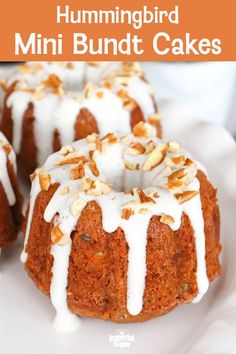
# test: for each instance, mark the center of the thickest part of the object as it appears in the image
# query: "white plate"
(207, 328)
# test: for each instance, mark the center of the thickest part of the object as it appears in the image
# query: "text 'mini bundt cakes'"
(50, 104)
(10, 198)
(121, 228)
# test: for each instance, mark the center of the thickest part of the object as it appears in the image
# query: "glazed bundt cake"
(50, 104)
(121, 228)
(10, 197)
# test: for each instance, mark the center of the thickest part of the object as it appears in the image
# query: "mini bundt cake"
(10, 197)
(50, 104)
(121, 228)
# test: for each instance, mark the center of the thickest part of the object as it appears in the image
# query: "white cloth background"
(208, 88)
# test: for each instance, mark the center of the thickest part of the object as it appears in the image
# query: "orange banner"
(180, 30)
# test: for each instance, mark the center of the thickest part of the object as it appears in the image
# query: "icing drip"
(64, 321)
(4, 176)
(137, 89)
(44, 125)
(154, 184)
(19, 102)
(53, 111)
(68, 108)
(193, 208)
(135, 230)
(109, 112)
(33, 196)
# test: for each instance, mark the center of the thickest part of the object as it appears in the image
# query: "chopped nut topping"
(92, 138)
(129, 104)
(107, 85)
(131, 166)
(123, 94)
(85, 184)
(155, 158)
(126, 213)
(178, 174)
(141, 197)
(128, 192)
(140, 130)
(175, 186)
(77, 206)
(93, 154)
(143, 211)
(178, 160)
(30, 69)
(94, 63)
(37, 95)
(149, 147)
(190, 162)
(133, 68)
(65, 191)
(110, 138)
(70, 66)
(71, 158)
(155, 194)
(173, 146)
(99, 145)
(7, 148)
(126, 140)
(122, 79)
(89, 90)
(65, 150)
(44, 181)
(175, 160)
(185, 196)
(153, 118)
(3, 84)
(77, 171)
(25, 69)
(135, 149)
(100, 94)
(99, 188)
(93, 168)
(34, 174)
(166, 219)
(143, 129)
(58, 237)
(56, 234)
(186, 174)
(53, 82)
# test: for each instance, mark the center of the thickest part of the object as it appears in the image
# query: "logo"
(121, 338)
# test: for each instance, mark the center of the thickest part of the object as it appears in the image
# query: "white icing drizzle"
(19, 102)
(68, 108)
(44, 125)
(137, 89)
(60, 111)
(193, 209)
(64, 321)
(33, 196)
(111, 166)
(4, 176)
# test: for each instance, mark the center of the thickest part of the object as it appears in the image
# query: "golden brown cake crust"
(98, 261)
